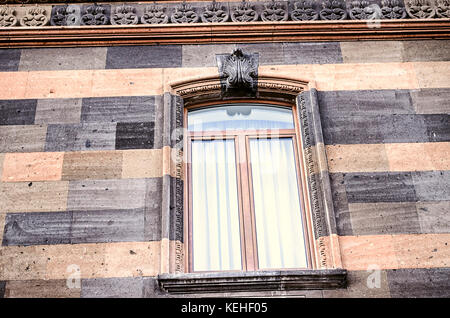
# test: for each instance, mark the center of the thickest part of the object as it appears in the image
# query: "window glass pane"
(242, 116)
(279, 230)
(216, 235)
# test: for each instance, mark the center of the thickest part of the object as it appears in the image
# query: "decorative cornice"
(222, 282)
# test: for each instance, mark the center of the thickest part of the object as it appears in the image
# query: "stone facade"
(86, 134)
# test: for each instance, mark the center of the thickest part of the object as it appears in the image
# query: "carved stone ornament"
(392, 9)
(65, 15)
(154, 14)
(238, 73)
(363, 10)
(34, 17)
(94, 15)
(420, 9)
(215, 12)
(244, 12)
(184, 13)
(274, 11)
(304, 10)
(333, 10)
(124, 15)
(7, 17)
(443, 8)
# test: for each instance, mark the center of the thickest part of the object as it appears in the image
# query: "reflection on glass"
(279, 229)
(216, 238)
(242, 116)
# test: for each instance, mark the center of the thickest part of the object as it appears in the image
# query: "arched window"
(244, 186)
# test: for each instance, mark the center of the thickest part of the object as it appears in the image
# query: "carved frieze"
(238, 73)
(215, 12)
(304, 10)
(333, 10)
(154, 14)
(274, 11)
(244, 12)
(124, 15)
(184, 13)
(7, 17)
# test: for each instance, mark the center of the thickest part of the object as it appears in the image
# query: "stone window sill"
(219, 282)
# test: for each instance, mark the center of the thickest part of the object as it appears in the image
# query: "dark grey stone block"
(311, 53)
(9, 60)
(427, 50)
(118, 109)
(434, 217)
(135, 135)
(365, 102)
(85, 136)
(122, 287)
(374, 129)
(269, 53)
(17, 111)
(432, 185)
(108, 226)
(438, 127)
(419, 282)
(431, 100)
(340, 204)
(2, 289)
(384, 218)
(379, 187)
(204, 55)
(94, 195)
(35, 228)
(57, 59)
(152, 209)
(119, 57)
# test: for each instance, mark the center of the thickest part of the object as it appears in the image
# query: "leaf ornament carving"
(244, 12)
(333, 10)
(154, 14)
(420, 9)
(274, 11)
(94, 15)
(184, 13)
(125, 15)
(392, 9)
(443, 8)
(304, 11)
(215, 12)
(34, 17)
(363, 10)
(7, 17)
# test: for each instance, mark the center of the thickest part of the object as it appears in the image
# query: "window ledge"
(213, 282)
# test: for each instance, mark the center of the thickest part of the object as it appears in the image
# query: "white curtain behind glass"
(279, 229)
(216, 238)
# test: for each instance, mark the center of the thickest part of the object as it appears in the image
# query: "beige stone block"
(34, 196)
(13, 85)
(357, 158)
(85, 165)
(127, 82)
(40, 289)
(36, 166)
(59, 84)
(432, 74)
(364, 252)
(2, 158)
(418, 156)
(100, 260)
(142, 163)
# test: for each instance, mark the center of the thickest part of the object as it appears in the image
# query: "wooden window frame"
(248, 235)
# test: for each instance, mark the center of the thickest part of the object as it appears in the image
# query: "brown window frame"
(249, 255)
